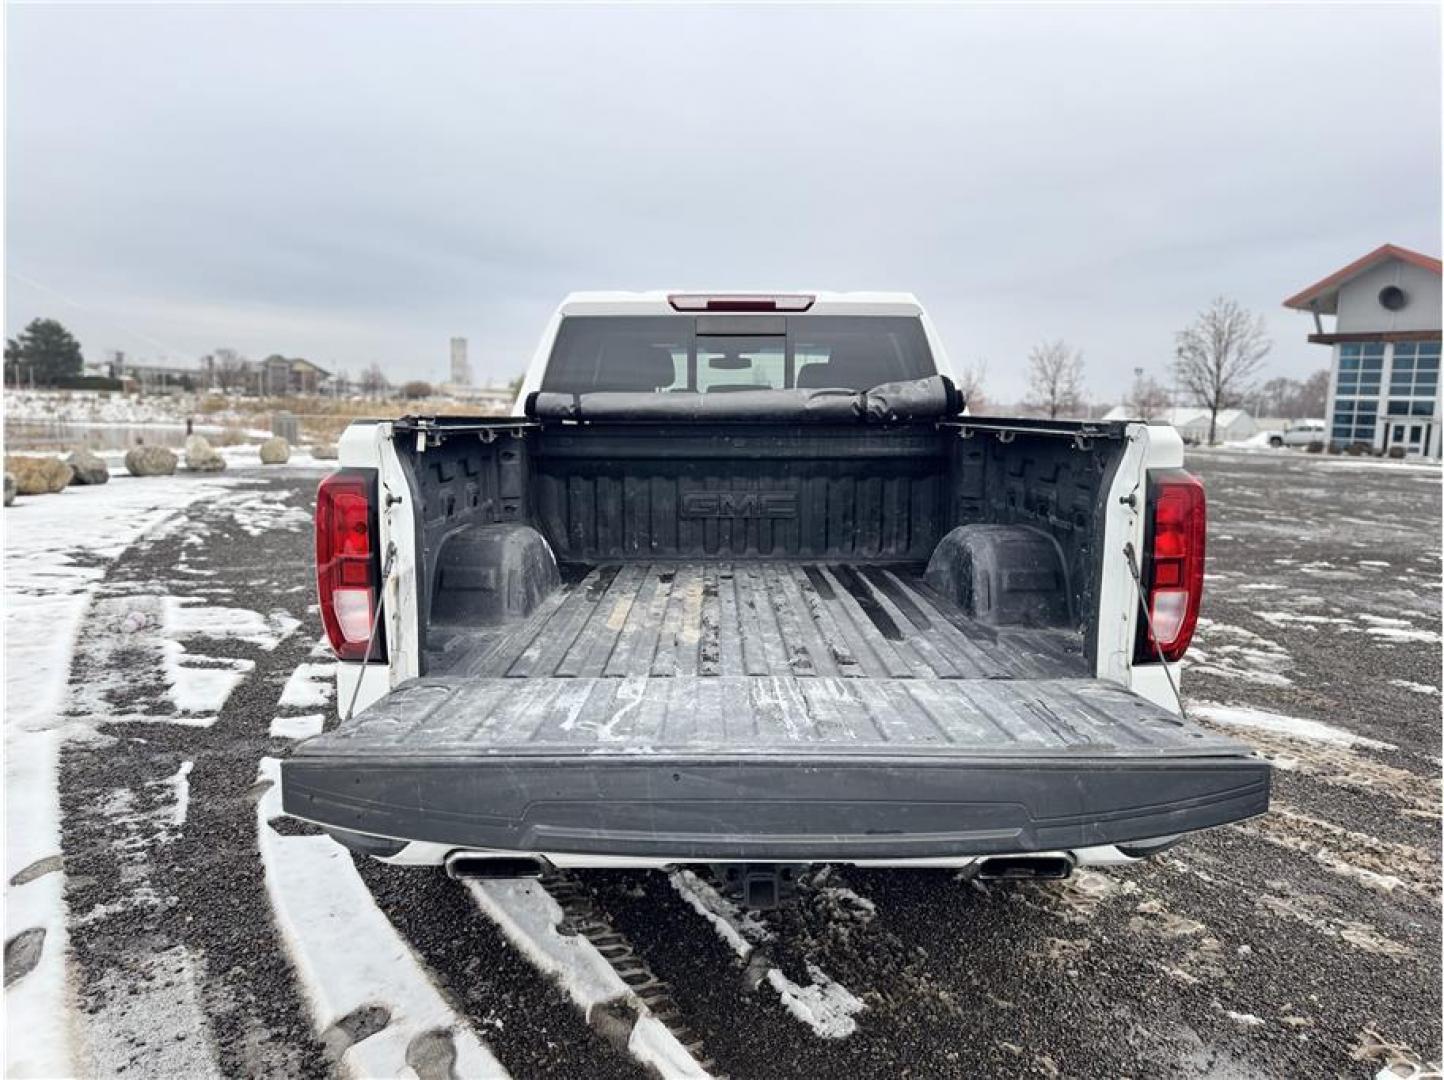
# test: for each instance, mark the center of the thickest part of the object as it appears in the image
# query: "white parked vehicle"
(742, 584)
(1300, 433)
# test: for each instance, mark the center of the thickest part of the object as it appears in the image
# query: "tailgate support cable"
(1132, 557)
(375, 625)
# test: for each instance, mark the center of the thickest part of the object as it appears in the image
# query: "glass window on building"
(1355, 419)
(1414, 374)
(1361, 368)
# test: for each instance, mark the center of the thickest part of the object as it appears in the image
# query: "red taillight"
(1173, 568)
(735, 302)
(348, 562)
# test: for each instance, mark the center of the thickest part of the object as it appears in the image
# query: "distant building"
(460, 369)
(157, 378)
(275, 376)
(281, 375)
(1384, 380)
(1191, 422)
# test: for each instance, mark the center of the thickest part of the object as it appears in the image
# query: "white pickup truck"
(742, 584)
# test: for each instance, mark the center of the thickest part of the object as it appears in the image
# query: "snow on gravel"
(826, 1006)
(191, 617)
(738, 928)
(1292, 726)
(310, 686)
(298, 727)
(56, 548)
(1414, 687)
(530, 918)
(1396, 633)
(200, 691)
(181, 781)
(350, 958)
(200, 685)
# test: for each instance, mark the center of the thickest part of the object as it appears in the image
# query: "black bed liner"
(756, 618)
(769, 711)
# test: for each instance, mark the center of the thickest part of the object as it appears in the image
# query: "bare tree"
(373, 381)
(230, 369)
(1313, 397)
(970, 387)
(1219, 355)
(1148, 399)
(1055, 376)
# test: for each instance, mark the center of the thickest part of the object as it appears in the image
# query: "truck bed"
(668, 619)
(766, 710)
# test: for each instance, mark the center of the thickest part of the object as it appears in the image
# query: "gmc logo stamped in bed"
(739, 504)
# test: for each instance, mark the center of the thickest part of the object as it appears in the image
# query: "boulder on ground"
(38, 475)
(201, 456)
(275, 451)
(9, 489)
(150, 461)
(88, 468)
(324, 452)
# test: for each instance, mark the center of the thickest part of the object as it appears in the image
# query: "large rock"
(150, 461)
(201, 456)
(88, 468)
(9, 489)
(38, 475)
(275, 451)
(324, 452)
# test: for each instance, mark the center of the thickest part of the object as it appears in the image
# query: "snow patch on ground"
(347, 953)
(56, 547)
(529, 917)
(652, 1043)
(1234, 652)
(181, 782)
(1292, 726)
(1414, 687)
(825, 1006)
(1397, 633)
(193, 617)
(310, 686)
(200, 691)
(298, 727)
(1246, 1019)
(261, 512)
(739, 929)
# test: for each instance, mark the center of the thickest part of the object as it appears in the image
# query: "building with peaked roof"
(1191, 422)
(1384, 379)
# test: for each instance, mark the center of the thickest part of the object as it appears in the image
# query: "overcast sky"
(359, 184)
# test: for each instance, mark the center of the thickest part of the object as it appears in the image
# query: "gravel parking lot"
(1303, 943)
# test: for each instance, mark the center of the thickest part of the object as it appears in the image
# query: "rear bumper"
(773, 808)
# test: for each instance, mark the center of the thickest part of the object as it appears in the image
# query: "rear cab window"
(713, 353)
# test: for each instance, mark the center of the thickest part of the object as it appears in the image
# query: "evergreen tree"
(44, 352)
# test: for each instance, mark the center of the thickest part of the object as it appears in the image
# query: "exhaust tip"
(471, 866)
(1025, 868)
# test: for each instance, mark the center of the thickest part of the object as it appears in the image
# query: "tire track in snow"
(55, 558)
(536, 924)
(826, 1006)
(372, 1002)
(531, 1026)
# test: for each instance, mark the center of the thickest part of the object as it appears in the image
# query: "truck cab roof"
(661, 301)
